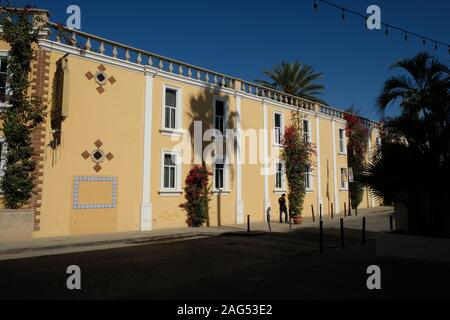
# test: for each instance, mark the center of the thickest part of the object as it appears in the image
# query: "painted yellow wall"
(114, 117)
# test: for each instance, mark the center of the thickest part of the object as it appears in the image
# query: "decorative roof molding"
(86, 43)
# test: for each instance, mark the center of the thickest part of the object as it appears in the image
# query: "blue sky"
(241, 38)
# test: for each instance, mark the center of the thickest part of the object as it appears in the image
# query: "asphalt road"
(267, 266)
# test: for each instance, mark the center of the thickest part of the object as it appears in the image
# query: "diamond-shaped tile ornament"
(112, 80)
(85, 155)
(109, 156)
(98, 143)
(89, 75)
(100, 89)
(101, 68)
(97, 168)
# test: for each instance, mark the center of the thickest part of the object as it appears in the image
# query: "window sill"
(4, 105)
(342, 153)
(309, 190)
(170, 193)
(276, 145)
(221, 192)
(279, 191)
(343, 189)
(171, 132)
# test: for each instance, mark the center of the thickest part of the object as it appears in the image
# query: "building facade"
(125, 126)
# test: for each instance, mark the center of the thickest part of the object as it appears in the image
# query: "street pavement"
(233, 265)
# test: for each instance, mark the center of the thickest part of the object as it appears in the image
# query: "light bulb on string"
(315, 5)
(343, 14)
(424, 42)
(435, 46)
(406, 36)
(387, 30)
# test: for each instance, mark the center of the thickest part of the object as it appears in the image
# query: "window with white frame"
(219, 176)
(279, 176)
(307, 131)
(3, 75)
(308, 179)
(344, 178)
(2, 156)
(171, 108)
(278, 128)
(378, 142)
(219, 116)
(342, 141)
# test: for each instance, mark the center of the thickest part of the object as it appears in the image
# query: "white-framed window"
(278, 124)
(342, 147)
(3, 77)
(170, 172)
(172, 110)
(220, 177)
(307, 137)
(220, 115)
(280, 180)
(344, 179)
(309, 179)
(3, 151)
(378, 142)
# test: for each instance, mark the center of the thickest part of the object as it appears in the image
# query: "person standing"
(283, 209)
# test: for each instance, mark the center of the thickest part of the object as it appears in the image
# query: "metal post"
(391, 223)
(321, 237)
(342, 233)
(332, 211)
(364, 232)
(312, 211)
(356, 211)
(345, 209)
(320, 210)
(248, 223)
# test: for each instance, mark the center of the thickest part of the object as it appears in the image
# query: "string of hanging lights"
(387, 27)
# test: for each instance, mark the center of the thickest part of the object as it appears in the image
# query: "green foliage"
(24, 113)
(197, 196)
(295, 79)
(357, 142)
(296, 155)
(412, 166)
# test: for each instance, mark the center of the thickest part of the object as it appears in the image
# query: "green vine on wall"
(24, 113)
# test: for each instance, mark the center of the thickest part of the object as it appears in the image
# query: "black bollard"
(312, 212)
(356, 211)
(248, 223)
(342, 233)
(320, 212)
(345, 209)
(391, 223)
(332, 211)
(321, 237)
(363, 241)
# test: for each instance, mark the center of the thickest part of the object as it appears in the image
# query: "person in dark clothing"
(283, 208)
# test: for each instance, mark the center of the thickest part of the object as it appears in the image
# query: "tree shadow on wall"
(202, 110)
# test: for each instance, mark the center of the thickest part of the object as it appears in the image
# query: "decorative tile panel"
(76, 193)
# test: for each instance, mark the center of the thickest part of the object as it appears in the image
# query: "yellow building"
(122, 133)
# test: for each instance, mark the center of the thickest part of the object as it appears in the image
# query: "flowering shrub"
(197, 196)
(296, 155)
(357, 134)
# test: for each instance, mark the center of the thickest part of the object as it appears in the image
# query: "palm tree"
(295, 79)
(413, 162)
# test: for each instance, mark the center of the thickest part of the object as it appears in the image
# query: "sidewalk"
(62, 245)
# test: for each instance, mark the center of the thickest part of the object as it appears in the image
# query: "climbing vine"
(24, 113)
(197, 193)
(357, 142)
(297, 157)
